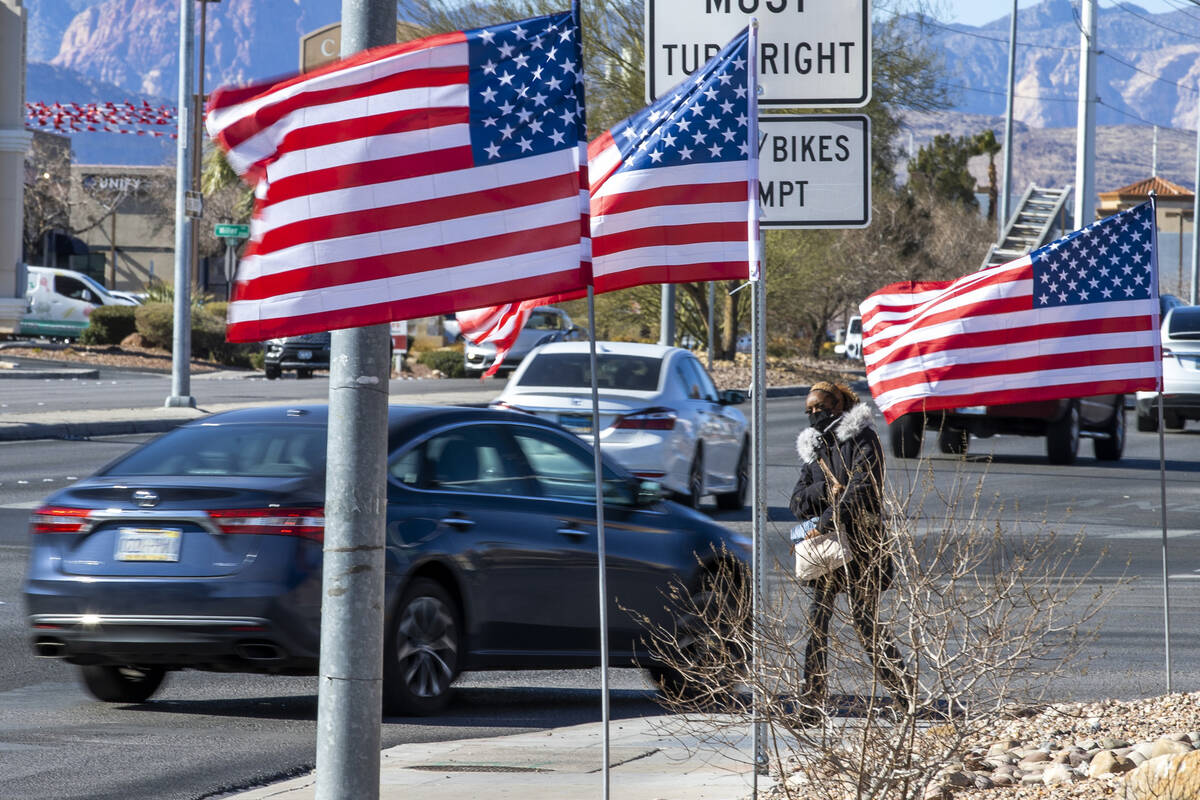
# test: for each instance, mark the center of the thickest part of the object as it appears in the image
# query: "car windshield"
(631, 373)
(1184, 323)
(258, 451)
(543, 321)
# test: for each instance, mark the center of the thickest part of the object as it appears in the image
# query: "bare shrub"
(987, 614)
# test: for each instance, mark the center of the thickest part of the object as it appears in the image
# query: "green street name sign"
(227, 231)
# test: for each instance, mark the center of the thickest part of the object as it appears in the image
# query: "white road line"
(22, 506)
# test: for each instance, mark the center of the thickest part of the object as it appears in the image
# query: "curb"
(22, 431)
(49, 374)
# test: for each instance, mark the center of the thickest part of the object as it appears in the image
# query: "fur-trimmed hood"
(849, 425)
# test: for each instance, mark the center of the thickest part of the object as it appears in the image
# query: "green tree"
(986, 144)
(940, 169)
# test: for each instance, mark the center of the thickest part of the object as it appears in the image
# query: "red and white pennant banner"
(101, 117)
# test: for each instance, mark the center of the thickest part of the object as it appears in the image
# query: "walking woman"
(841, 483)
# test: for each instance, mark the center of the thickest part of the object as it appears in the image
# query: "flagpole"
(756, 249)
(598, 467)
(1162, 451)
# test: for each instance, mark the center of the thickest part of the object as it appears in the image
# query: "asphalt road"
(204, 734)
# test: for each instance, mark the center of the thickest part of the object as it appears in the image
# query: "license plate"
(304, 355)
(576, 423)
(148, 544)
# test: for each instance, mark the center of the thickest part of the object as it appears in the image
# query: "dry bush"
(987, 614)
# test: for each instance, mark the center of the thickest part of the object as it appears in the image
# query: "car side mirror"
(648, 493)
(732, 397)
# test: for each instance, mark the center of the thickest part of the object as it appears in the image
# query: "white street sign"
(814, 170)
(812, 53)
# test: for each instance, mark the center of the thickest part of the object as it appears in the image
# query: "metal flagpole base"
(180, 401)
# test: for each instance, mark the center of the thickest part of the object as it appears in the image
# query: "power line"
(924, 20)
(1150, 74)
(1005, 94)
(1125, 7)
(1182, 9)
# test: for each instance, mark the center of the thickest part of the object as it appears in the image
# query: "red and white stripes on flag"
(500, 325)
(670, 185)
(1076, 318)
(411, 180)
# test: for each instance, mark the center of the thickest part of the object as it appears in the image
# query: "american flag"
(411, 180)
(500, 325)
(1075, 318)
(671, 185)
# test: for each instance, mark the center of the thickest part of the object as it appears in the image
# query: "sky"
(980, 12)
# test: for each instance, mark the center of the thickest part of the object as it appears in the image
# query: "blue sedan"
(202, 549)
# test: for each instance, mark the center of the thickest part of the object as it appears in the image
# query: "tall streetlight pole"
(1085, 130)
(182, 338)
(1002, 216)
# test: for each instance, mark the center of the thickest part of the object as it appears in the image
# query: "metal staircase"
(1039, 219)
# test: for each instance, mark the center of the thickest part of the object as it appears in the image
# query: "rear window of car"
(258, 451)
(630, 373)
(1184, 323)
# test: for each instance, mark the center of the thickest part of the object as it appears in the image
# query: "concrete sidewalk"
(650, 759)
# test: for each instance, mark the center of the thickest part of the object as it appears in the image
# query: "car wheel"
(122, 684)
(695, 484)
(1112, 447)
(953, 441)
(304, 373)
(272, 371)
(422, 650)
(712, 655)
(1147, 423)
(906, 434)
(1062, 437)
(1173, 420)
(736, 500)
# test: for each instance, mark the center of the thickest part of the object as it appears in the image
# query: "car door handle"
(462, 523)
(573, 532)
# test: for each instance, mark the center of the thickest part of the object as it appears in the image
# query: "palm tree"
(986, 144)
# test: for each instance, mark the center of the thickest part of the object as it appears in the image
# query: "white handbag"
(817, 556)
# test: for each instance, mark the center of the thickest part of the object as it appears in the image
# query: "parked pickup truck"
(1061, 422)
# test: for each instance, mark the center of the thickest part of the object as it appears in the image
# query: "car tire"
(272, 372)
(1112, 447)
(122, 684)
(1147, 423)
(906, 434)
(695, 484)
(1062, 437)
(953, 441)
(304, 374)
(1173, 420)
(422, 650)
(736, 500)
(715, 675)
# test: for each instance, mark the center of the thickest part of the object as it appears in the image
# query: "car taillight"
(58, 519)
(307, 523)
(652, 419)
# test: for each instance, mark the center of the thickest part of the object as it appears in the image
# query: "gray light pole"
(1195, 217)
(1085, 124)
(1005, 186)
(666, 329)
(181, 355)
(352, 616)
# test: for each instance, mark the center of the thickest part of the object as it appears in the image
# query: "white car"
(1181, 373)
(545, 324)
(661, 416)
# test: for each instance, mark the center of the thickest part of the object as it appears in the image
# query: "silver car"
(546, 324)
(1181, 373)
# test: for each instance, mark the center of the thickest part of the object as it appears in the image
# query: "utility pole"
(350, 689)
(1085, 124)
(1195, 217)
(1002, 216)
(181, 355)
(666, 329)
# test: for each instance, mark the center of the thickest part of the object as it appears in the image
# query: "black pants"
(876, 638)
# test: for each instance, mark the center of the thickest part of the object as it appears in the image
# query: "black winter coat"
(854, 456)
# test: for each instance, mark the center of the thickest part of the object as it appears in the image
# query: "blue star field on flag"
(705, 119)
(526, 91)
(1111, 259)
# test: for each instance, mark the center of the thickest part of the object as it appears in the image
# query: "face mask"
(821, 419)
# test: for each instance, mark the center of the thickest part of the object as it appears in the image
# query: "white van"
(852, 347)
(58, 302)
